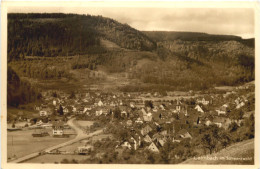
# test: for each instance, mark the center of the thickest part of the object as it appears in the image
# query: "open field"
(227, 88)
(101, 136)
(21, 143)
(233, 154)
(56, 158)
(73, 147)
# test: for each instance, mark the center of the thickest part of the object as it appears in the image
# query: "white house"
(240, 105)
(99, 112)
(222, 110)
(203, 101)
(43, 113)
(57, 128)
(100, 103)
(126, 144)
(153, 147)
(199, 109)
(139, 121)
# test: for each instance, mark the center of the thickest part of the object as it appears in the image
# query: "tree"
(210, 138)
(72, 95)
(149, 104)
(250, 124)
(54, 94)
(117, 113)
(60, 111)
(236, 114)
(225, 138)
(233, 127)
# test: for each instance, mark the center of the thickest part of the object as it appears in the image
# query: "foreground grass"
(239, 153)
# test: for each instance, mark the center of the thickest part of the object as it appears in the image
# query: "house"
(222, 110)
(99, 112)
(208, 122)
(178, 106)
(126, 144)
(146, 130)
(218, 121)
(84, 150)
(203, 101)
(74, 109)
(39, 123)
(148, 117)
(129, 123)
(43, 113)
(240, 105)
(123, 113)
(65, 110)
(184, 134)
(134, 142)
(175, 140)
(222, 122)
(163, 133)
(40, 133)
(100, 103)
(162, 107)
(132, 104)
(199, 108)
(37, 107)
(58, 127)
(139, 121)
(157, 137)
(161, 142)
(152, 147)
(147, 139)
(195, 119)
(86, 109)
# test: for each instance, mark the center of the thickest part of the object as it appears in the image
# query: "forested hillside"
(52, 35)
(56, 46)
(19, 91)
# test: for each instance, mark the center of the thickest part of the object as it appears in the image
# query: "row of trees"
(40, 70)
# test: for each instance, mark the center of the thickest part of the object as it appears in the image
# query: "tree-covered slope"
(68, 34)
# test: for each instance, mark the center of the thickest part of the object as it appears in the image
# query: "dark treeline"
(19, 91)
(38, 15)
(53, 35)
(49, 39)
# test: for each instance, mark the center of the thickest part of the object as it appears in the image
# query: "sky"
(227, 21)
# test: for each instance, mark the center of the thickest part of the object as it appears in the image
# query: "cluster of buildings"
(149, 126)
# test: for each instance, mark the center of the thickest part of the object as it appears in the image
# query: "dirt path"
(80, 136)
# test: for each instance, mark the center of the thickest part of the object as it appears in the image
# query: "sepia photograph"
(129, 85)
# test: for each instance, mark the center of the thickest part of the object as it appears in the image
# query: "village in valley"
(83, 88)
(132, 123)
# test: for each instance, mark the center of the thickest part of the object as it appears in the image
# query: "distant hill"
(195, 36)
(230, 155)
(68, 34)
(159, 60)
(187, 36)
